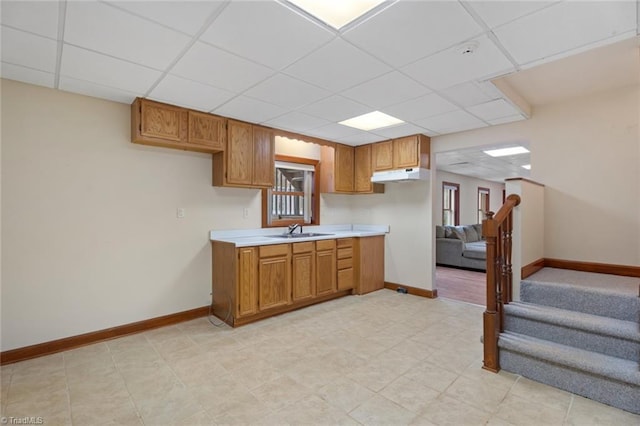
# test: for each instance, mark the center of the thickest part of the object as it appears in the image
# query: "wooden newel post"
(490, 316)
(497, 230)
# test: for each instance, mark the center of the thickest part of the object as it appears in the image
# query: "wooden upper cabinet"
(240, 154)
(249, 158)
(344, 168)
(382, 156)
(405, 152)
(401, 153)
(264, 157)
(363, 166)
(158, 124)
(207, 130)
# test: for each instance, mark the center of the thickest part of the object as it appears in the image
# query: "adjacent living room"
(469, 183)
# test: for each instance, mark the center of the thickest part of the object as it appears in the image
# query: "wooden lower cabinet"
(247, 281)
(251, 283)
(369, 264)
(303, 271)
(345, 264)
(274, 276)
(326, 267)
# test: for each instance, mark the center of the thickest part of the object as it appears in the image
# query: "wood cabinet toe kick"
(252, 283)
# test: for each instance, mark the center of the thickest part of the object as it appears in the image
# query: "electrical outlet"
(245, 213)
(180, 213)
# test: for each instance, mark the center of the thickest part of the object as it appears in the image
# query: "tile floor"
(383, 358)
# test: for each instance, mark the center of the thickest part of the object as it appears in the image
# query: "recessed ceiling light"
(371, 121)
(527, 166)
(336, 13)
(503, 152)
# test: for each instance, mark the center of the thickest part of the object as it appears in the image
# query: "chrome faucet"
(294, 227)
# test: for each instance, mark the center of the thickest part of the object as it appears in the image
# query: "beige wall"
(89, 230)
(587, 154)
(406, 208)
(468, 196)
(528, 227)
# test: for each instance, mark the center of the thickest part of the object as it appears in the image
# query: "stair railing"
(497, 229)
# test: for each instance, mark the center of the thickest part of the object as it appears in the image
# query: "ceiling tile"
(495, 13)
(286, 91)
(105, 29)
(183, 92)
(250, 109)
(335, 108)
(185, 16)
(38, 17)
(399, 131)
(296, 122)
(28, 50)
(107, 71)
(422, 107)
(27, 75)
(388, 89)
(266, 32)
(361, 138)
(409, 30)
(466, 94)
(508, 119)
(349, 67)
(567, 25)
(96, 90)
(450, 122)
(492, 110)
(332, 131)
(451, 66)
(210, 65)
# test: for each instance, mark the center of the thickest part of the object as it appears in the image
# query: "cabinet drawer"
(325, 245)
(303, 247)
(274, 250)
(345, 263)
(345, 242)
(345, 252)
(345, 279)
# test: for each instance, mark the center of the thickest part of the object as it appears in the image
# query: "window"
(292, 198)
(483, 203)
(450, 203)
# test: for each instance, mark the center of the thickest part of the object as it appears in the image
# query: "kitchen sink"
(302, 235)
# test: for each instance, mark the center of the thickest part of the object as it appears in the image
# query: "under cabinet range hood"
(401, 175)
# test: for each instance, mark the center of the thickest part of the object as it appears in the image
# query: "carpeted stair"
(577, 331)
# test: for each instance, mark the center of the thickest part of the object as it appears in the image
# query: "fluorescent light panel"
(503, 152)
(371, 121)
(527, 166)
(336, 13)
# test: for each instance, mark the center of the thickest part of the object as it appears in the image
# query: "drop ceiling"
(268, 62)
(475, 163)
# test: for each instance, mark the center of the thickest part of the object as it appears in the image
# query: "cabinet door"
(344, 168)
(240, 153)
(247, 282)
(208, 130)
(263, 160)
(382, 153)
(326, 272)
(345, 279)
(363, 171)
(303, 276)
(405, 152)
(274, 282)
(161, 121)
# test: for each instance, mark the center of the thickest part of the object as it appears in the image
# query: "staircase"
(578, 331)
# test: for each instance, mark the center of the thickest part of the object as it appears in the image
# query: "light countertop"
(259, 237)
